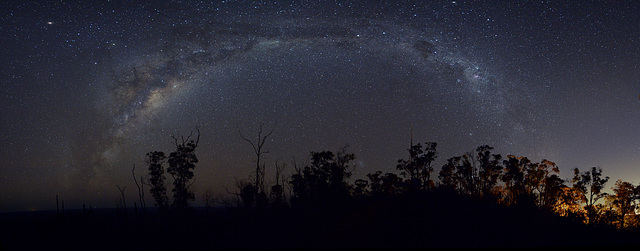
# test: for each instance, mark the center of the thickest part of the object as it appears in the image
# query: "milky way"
(92, 89)
(314, 79)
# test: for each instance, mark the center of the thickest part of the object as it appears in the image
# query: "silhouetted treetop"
(418, 168)
(324, 179)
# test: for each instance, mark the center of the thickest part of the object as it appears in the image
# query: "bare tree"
(257, 147)
(208, 198)
(122, 199)
(140, 188)
(279, 169)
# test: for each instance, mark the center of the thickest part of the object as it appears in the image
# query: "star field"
(88, 89)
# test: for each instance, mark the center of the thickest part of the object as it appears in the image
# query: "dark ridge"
(434, 219)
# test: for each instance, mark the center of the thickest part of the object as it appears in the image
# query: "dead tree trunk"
(123, 201)
(258, 150)
(140, 188)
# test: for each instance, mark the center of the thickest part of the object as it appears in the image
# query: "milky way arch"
(140, 86)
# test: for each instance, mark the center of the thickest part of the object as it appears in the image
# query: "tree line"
(324, 179)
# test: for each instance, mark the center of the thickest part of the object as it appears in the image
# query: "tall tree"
(122, 201)
(590, 185)
(535, 180)
(140, 188)
(623, 199)
(543, 181)
(418, 168)
(157, 180)
(466, 174)
(550, 198)
(257, 146)
(489, 169)
(459, 174)
(513, 178)
(181, 164)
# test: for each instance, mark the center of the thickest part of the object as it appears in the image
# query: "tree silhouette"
(360, 188)
(122, 201)
(157, 180)
(623, 199)
(140, 188)
(554, 188)
(459, 174)
(541, 181)
(590, 185)
(248, 193)
(392, 184)
(385, 185)
(478, 193)
(418, 168)
(489, 170)
(514, 179)
(447, 175)
(208, 199)
(323, 182)
(260, 195)
(324, 179)
(181, 164)
(277, 190)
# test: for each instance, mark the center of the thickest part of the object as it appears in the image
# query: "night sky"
(88, 88)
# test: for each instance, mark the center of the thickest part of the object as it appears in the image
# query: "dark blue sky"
(89, 87)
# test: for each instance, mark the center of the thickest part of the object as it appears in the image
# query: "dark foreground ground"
(366, 224)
